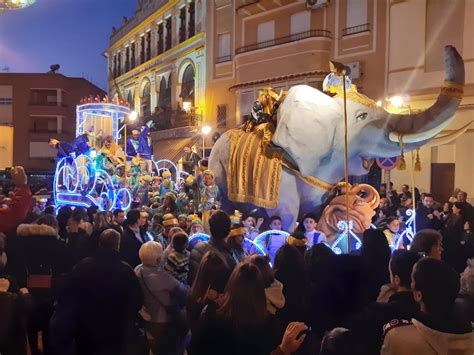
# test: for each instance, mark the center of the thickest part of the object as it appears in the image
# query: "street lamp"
(132, 116)
(205, 130)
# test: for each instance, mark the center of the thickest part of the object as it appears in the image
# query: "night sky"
(72, 33)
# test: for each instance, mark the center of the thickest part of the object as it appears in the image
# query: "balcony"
(223, 59)
(169, 119)
(356, 29)
(284, 40)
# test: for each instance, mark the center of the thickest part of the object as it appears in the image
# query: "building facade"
(238, 47)
(33, 109)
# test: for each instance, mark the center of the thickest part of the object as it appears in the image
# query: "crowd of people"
(85, 281)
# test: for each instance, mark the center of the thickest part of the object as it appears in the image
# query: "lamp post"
(205, 130)
(132, 117)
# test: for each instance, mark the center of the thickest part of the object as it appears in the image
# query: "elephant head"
(311, 126)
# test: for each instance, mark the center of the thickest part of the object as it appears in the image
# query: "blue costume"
(131, 148)
(81, 145)
(145, 147)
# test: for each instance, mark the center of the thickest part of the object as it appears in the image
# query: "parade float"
(94, 170)
(291, 157)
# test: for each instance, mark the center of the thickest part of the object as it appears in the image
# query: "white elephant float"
(310, 131)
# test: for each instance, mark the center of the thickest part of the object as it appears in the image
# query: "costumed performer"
(209, 196)
(131, 148)
(236, 242)
(167, 185)
(145, 148)
(265, 108)
(140, 191)
(110, 155)
(190, 160)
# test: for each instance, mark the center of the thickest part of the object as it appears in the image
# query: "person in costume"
(236, 242)
(196, 226)
(110, 156)
(265, 108)
(79, 146)
(135, 170)
(209, 196)
(394, 239)
(190, 160)
(252, 225)
(131, 148)
(298, 240)
(140, 192)
(308, 226)
(145, 148)
(273, 242)
(167, 184)
(63, 149)
(169, 222)
(168, 204)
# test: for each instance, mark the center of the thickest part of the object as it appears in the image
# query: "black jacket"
(423, 222)
(368, 324)
(129, 247)
(97, 307)
(202, 248)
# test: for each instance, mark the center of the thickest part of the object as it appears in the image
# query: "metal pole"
(203, 145)
(346, 166)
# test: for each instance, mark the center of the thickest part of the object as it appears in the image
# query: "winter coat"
(17, 210)
(219, 246)
(97, 308)
(160, 291)
(275, 297)
(416, 337)
(130, 245)
(13, 309)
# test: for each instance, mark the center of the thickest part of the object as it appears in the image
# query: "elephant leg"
(288, 202)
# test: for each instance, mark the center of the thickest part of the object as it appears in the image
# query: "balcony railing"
(170, 119)
(283, 40)
(226, 58)
(356, 29)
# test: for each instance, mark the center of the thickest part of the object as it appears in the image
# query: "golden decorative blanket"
(254, 171)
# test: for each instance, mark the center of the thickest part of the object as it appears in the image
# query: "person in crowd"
(96, 310)
(133, 237)
(64, 213)
(182, 221)
(426, 217)
(294, 336)
(316, 259)
(168, 204)
(465, 299)
(236, 242)
(91, 213)
(446, 211)
(168, 222)
(438, 329)
(299, 241)
(454, 196)
(140, 192)
(274, 241)
(15, 213)
(242, 324)
(196, 227)
(375, 254)
(85, 225)
(252, 225)
(467, 238)
(428, 242)
(177, 261)
(340, 341)
(466, 207)
(119, 218)
(273, 287)
(164, 299)
(367, 325)
(289, 262)
(394, 239)
(190, 160)
(207, 289)
(219, 225)
(77, 240)
(383, 190)
(309, 225)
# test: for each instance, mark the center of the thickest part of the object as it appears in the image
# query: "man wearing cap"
(132, 144)
(190, 160)
(169, 221)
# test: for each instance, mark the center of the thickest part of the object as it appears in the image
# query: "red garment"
(16, 212)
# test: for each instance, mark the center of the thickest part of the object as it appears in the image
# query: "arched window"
(165, 93)
(130, 100)
(187, 85)
(145, 100)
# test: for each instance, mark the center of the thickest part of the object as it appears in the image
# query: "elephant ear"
(307, 120)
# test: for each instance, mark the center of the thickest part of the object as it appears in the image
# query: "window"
(224, 47)
(145, 102)
(45, 124)
(142, 50)
(127, 59)
(160, 38)
(356, 13)
(187, 85)
(182, 24)
(44, 97)
(133, 55)
(300, 22)
(6, 101)
(191, 24)
(41, 150)
(221, 115)
(148, 45)
(246, 103)
(119, 64)
(266, 32)
(168, 33)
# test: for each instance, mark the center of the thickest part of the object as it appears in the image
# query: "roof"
(320, 73)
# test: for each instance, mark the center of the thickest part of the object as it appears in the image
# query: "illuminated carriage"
(89, 179)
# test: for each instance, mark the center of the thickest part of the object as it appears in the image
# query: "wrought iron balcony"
(356, 29)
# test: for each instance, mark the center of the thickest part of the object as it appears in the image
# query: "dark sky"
(72, 33)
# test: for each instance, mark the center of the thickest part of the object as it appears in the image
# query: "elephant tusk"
(419, 137)
(448, 137)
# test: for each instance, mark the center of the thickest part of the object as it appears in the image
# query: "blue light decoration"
(249, 245)
(409, 231)
(339, 246)
(259, 239)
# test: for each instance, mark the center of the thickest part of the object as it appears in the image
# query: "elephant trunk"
(420, 127)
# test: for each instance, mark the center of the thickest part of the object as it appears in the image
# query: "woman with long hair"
(242, 324)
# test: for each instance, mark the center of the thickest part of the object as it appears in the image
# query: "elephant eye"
(362, 116)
